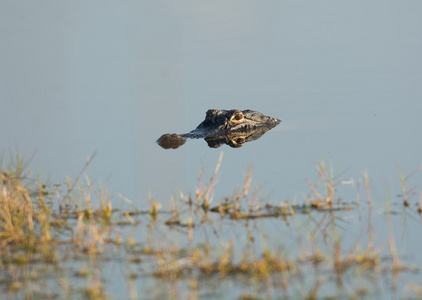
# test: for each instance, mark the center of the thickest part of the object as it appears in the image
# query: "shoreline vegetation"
(60, 241)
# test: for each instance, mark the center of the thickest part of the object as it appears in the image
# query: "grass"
(55, 241)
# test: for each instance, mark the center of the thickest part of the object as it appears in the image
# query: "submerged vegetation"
(68, 240)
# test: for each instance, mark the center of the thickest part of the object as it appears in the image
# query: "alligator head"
(221, 122)
(232, 127)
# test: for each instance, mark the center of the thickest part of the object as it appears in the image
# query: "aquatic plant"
(56, 239)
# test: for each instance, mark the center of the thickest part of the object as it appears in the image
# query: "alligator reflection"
(231, 127)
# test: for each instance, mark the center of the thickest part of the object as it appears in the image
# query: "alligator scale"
(232, 127)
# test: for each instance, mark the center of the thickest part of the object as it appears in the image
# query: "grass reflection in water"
(67, 241)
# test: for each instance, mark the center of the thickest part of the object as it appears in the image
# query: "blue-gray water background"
(344, 77)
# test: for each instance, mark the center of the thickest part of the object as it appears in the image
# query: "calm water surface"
(344, 78)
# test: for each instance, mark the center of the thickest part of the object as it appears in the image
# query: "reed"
(192, 242)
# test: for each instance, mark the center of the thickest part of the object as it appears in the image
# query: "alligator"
(232, 127)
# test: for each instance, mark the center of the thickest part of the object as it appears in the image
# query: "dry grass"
(41, 223)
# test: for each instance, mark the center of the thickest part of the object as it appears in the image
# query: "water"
(344, 78)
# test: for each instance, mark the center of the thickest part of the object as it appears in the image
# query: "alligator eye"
(237, 142)
(237, 117)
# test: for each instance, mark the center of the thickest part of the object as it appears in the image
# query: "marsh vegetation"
(79, 240)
